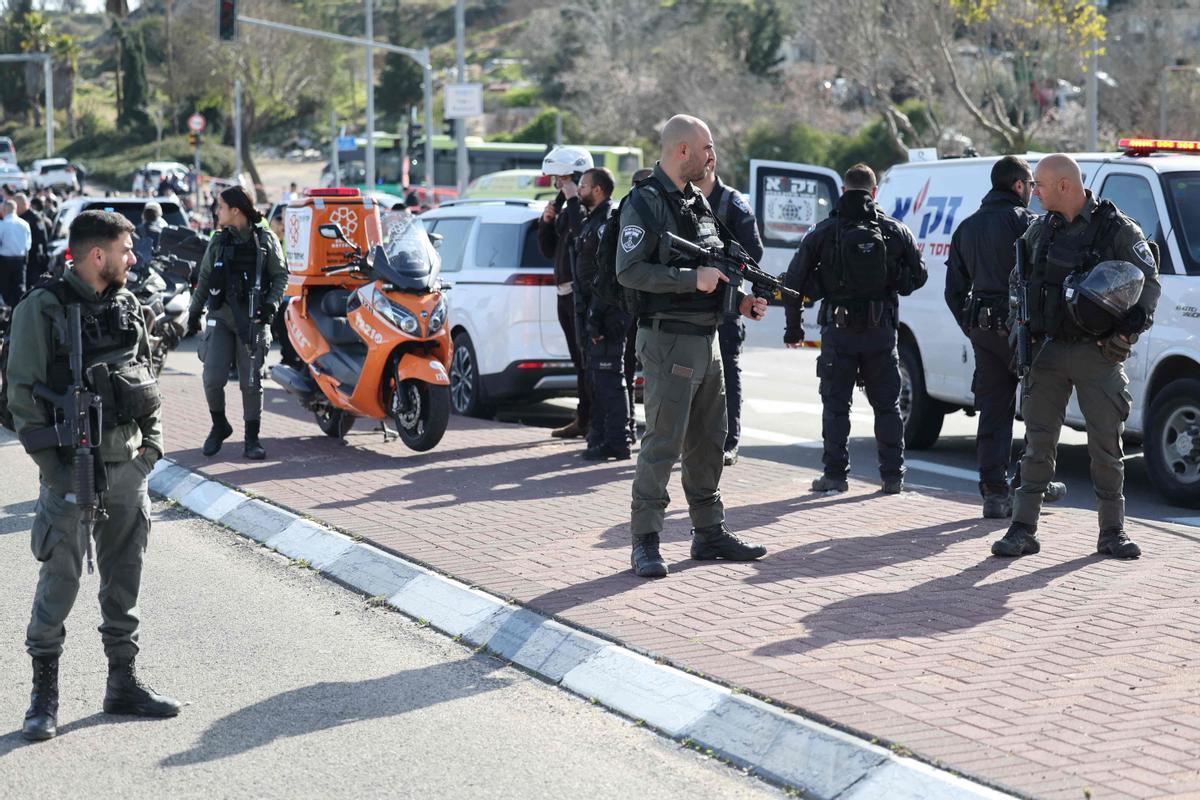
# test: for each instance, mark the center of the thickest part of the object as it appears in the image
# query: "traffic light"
(193, 139)
(227, 20)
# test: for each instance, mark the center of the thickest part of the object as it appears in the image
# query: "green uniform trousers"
(685, 414)
(222, 350)
(1103, 392)
(120, 542)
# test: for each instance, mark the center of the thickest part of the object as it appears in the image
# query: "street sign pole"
(429, 198)
(463, 167)
(370, 159)
(337, 168)
(237, 129)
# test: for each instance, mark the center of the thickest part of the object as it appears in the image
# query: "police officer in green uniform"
(114, 335)
(679, 307)
(237, 255)
(1076, 234)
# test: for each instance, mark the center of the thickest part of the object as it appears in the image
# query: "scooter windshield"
(410, 260)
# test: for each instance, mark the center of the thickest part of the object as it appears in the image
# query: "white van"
(1155, 182)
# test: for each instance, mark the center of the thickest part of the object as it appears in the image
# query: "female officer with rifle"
(242, 280)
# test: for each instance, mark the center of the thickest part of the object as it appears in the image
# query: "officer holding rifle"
(86, 407)
(242, 279)
(680, 303)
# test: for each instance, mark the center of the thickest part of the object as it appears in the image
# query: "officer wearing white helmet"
(559, 225)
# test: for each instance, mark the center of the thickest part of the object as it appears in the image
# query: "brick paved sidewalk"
(884, 615)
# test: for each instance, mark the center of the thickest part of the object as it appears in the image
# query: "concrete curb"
(781, 746)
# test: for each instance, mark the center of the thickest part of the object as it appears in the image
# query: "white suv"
(53, 173)
(1161, 191)
(508, 346)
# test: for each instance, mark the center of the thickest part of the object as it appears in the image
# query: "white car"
(8, 153)
(508, 346)
(1156, 183)
(154, 171)
(12, 176)
(53, 173)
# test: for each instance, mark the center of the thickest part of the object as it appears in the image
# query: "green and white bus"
(484, 158)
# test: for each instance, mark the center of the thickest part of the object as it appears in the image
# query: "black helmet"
(1098, 300)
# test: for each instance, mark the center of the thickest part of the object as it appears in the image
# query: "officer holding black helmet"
(734, 212)
(977, 269)
(1084, 317)
(679, 306)
(859, 261)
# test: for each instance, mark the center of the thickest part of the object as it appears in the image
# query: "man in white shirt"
(16, 239)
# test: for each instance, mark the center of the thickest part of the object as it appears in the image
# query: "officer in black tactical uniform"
(113, 363)
(858, 261)
(679, 307)
(242, 254)
(1069, 351)
(602, 328)
(734, 213)
(977, 269)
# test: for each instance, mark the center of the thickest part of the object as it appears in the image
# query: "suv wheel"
(466, 385)
(1172, 442)
(922, 414)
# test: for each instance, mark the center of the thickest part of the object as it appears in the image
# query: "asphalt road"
(298, 688)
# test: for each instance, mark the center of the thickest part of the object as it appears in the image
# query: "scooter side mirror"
(436, 239)
(331, 230)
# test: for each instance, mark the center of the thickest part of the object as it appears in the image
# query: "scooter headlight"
(399, 316)
(438, 318)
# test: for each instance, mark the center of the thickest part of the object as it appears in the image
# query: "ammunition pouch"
(988, 314)
(128, 391)
(857, 314)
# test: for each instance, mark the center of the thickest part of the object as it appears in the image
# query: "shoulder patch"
(600, 230)
(1143, 251)
(739, 201)
(631, 237)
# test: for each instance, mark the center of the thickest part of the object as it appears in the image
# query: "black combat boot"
(997, 504)
(603, 452)
(1021, 540)
(41, 720)
(893, 485)
(253, 447)
(221, 430)
(828, 484)
(1116, 543)
(715, 541)
(126, 694)
(647, 562)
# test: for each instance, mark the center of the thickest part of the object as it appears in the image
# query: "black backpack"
(605, 284)
(860, 261)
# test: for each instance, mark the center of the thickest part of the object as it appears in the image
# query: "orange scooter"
(377, 348)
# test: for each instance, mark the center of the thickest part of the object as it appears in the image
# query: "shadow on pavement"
(15, 741)
(327, 705)
(943, 605)
(17, 517)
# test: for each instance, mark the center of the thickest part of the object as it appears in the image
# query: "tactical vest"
(1058, 256)
(235, 268)
(696, 223)
(115, 365)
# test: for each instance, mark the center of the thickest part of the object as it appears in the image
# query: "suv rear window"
(508, 246)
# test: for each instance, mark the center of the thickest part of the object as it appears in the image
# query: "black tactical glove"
(1116, 348)
(1134, 322)
(193, 324)
(265, 314)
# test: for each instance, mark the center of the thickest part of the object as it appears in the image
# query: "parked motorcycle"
(164, 288)
(376, 349)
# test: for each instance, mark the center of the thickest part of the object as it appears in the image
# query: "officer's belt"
(678, 327)
(989, 313)
(855, 314)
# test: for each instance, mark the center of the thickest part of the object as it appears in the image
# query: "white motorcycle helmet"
(567, 160)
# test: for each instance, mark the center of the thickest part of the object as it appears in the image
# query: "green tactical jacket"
(31, 352)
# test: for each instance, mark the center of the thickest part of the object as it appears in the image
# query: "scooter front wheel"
(334, 422)
(422, 426)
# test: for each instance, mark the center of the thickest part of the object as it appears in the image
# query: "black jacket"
(817, 249)
(731, 208)
(554, 240)
(983, 252)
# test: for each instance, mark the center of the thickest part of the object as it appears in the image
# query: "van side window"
(454, 242)
(1133, 195)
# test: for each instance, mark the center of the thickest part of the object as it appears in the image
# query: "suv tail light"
(530, 279)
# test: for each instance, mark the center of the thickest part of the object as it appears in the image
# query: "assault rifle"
(257, 334)
(1024, 346)
(79, 413)
(737, 266)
